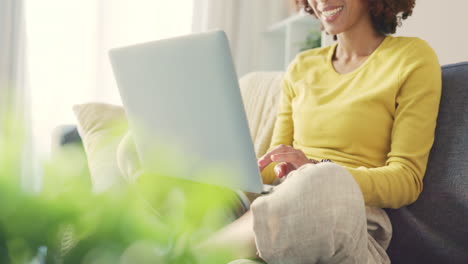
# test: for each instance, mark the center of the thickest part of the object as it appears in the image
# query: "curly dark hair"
(386, 15)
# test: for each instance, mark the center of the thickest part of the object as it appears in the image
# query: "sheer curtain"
(14, 93)
(12, 64)
(244, 21)
(68, 43)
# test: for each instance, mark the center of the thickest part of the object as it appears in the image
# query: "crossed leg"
(317, 215)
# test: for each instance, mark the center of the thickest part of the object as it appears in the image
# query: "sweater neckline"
(358, 69)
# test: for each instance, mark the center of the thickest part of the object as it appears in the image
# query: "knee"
(328, 186)
(324, 186)
(329, 178)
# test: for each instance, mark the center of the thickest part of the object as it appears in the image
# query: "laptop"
(185, 110)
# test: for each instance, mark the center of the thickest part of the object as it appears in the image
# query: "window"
(68, 42)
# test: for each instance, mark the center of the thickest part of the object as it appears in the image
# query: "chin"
(333, 30)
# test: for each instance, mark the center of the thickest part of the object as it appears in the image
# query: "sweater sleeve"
(283, 129)
(400, 181)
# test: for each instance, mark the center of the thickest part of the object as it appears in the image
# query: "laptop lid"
(185, 110)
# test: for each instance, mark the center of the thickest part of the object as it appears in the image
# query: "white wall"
(444, 24)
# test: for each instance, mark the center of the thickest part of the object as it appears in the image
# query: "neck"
(360, 41)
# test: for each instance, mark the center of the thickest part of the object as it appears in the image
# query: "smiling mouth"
(330, 14)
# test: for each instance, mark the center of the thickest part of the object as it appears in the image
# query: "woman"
(369, 104)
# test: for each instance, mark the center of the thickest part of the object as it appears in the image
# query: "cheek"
(360, 8)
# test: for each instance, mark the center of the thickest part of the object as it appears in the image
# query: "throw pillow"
(102, 127)
(260, 93)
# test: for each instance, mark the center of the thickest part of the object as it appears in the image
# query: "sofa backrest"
(260, 94)
(435, 228)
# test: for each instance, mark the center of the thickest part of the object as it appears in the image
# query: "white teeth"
(331, 12)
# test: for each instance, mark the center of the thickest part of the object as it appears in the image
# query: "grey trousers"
(317, 215)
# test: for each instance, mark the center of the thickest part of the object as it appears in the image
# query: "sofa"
(434, 229)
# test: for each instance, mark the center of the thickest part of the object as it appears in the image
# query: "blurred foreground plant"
(160, 220)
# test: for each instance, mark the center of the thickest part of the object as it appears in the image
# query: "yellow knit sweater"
(377, 121)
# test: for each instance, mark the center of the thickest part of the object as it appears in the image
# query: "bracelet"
(323, 160)
(314, 161)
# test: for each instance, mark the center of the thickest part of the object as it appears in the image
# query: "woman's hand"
(288, 157)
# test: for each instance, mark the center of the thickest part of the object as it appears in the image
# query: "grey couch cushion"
(435, 228)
